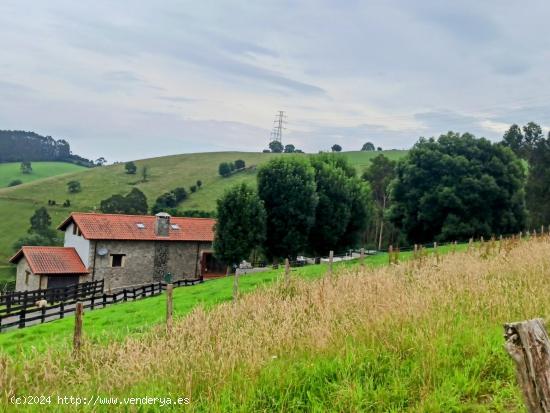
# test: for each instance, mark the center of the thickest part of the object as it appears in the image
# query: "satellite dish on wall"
(102, 252)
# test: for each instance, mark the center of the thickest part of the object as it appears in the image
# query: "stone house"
(125, 251)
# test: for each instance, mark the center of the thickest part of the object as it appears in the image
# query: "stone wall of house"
(33, 281)
(146, 262)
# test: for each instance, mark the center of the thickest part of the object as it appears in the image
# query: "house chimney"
(162, 224)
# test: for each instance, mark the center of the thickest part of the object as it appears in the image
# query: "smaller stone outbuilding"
(48, 267)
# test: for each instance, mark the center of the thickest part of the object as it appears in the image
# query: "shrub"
(74, 187)
(130, 167)
(15, 182)
(224, 169)
(240, 164)
(193, 189)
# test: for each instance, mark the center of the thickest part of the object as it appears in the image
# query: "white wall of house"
(78, 242)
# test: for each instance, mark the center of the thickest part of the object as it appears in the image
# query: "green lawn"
(17, 204)
(120, 320)
(40, 170)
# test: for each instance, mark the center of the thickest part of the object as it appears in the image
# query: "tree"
(134, 203)
(224, 169)
(287, 188)
(336, 148)
(240, 164)
(40, 221)
(457, 187)
(538, 184)
(236, 235)
(379, 149)
(193, 188)
(379, 175)
(130, 167)
(369, 146)
(168, 201)
(523, 144)
(26, 167)
(40, 231)
(74, 187)
(199, 184)
(290, 148)
(276, 146)
(180, 194)
(144, 173)
(339, 217)
(101, 161)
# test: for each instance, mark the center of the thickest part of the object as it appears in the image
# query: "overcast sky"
(133, 79)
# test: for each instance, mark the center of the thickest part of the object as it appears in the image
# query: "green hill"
(40, 170)
(17, 204)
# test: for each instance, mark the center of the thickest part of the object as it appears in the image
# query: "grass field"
(422, 336)
(40, 170)
(18, 204)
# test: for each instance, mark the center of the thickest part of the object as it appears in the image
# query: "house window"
(117, 260)
(76, 230)
(27, 273)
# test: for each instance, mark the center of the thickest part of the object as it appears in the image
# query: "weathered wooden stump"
(529, 346)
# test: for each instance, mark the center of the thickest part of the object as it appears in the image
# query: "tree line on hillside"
(450, 188)
(21, 146)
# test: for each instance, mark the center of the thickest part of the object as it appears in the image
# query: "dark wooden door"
(60, 281)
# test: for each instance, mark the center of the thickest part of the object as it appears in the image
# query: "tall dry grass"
(405, 309)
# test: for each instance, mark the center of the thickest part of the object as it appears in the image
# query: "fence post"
(362, 258)
(169, 306)
(330, 261)
(62, 309)
(236, 286)
(390, 253)
(287, 272)
(415, 252)
(77, 337)
(528, 345)
(436, 252)
(22, 315)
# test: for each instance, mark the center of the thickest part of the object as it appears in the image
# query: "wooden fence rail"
(26, 317)
(16, 301)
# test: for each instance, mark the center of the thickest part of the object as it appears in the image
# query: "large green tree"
(379, 175)
(522, 141)
(538, 184)
(134, 203)
(287, 188)
(342, 210)
(237, 234)
(40, 231)
(456, 187)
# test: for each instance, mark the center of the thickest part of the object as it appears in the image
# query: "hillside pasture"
(40, 170)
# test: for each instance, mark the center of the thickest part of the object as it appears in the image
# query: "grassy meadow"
(40, 170)
(17, 204)
(421, 336)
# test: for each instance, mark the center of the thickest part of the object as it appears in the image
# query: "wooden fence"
(30, 316)
(19, 300)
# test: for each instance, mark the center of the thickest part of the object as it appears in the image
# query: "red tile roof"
(51, 260)
(125, 227)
